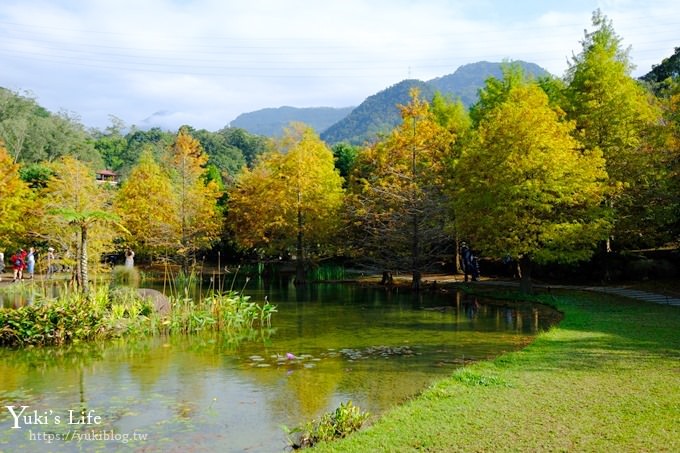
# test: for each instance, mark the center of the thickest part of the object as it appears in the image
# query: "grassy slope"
(606, 379)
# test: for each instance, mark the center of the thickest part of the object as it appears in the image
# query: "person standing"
(466, 259)
(50, 262)
(17, 261)
(469, 262)
(2, 264)
(30, 262)
(129, 258)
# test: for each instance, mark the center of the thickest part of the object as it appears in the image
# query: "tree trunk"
(416, 276)
(387, 279)
(415, 282)
(300, 278)
(415, 263)
(84, 284)
(415, 253)
(525, 265)
(456, 256)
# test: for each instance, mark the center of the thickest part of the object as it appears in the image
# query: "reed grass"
(111, 311)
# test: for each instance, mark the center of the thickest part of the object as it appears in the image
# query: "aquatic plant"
(51, 323)
(346, 419)
(187, 282)
(327, 272)
(117, 311)
(228, 311)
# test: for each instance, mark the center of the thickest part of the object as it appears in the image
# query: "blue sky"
(203, 62)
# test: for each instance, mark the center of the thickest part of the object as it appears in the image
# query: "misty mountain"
(271, 121)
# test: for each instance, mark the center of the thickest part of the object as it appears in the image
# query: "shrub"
(113, 312)
(125, 276)
(333, 425)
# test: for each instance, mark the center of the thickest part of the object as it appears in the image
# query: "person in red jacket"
(18, 263)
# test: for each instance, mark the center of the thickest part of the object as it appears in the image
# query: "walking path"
(617, 290)
(636, 294)
(631, 293)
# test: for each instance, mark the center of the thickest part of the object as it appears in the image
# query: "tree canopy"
(528, 189)
(614, 114)
(396, 194)
(290, 199)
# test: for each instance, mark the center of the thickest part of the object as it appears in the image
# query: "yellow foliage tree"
(527, 188)
(290, 199)
(77, 215)
(146, 204)
(15, 201)
(198, 218)
(397, 198)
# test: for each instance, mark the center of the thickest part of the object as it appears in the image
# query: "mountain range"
(378, 114)
(271, 121)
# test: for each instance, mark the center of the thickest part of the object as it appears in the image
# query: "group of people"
(22, 263)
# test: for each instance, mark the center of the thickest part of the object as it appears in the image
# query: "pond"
(203, 392)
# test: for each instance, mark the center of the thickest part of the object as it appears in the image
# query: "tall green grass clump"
(327, 272)
(346, 419)
(223, 312)
(71, 317)
(111, 312)
(125, 276)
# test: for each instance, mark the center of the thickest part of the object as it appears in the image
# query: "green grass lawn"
(607, 379)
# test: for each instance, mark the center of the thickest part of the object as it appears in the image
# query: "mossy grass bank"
(606, 379)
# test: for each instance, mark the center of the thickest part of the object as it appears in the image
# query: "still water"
(203, 393)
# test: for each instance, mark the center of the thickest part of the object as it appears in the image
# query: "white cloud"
(210, 60)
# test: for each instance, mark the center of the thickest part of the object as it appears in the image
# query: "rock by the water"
(160, 302)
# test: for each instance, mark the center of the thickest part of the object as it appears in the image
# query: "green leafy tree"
(614, 114)
(112, 146)
(527, 189)
(669, 68)
(290, 199)
(450, 114)
(250, 146)
(397, 198)
(496, 91)
(138, 141)
(454, 117)
(66, 136)
(36, 175)
(345, 155)
(223, 156)
(19, 116)
(666, 197)
(32, 134)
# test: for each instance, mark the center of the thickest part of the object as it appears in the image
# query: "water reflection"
(374, 347)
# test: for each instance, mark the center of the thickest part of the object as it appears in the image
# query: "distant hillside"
(271, 122)
(466, 81)
(377, 114)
